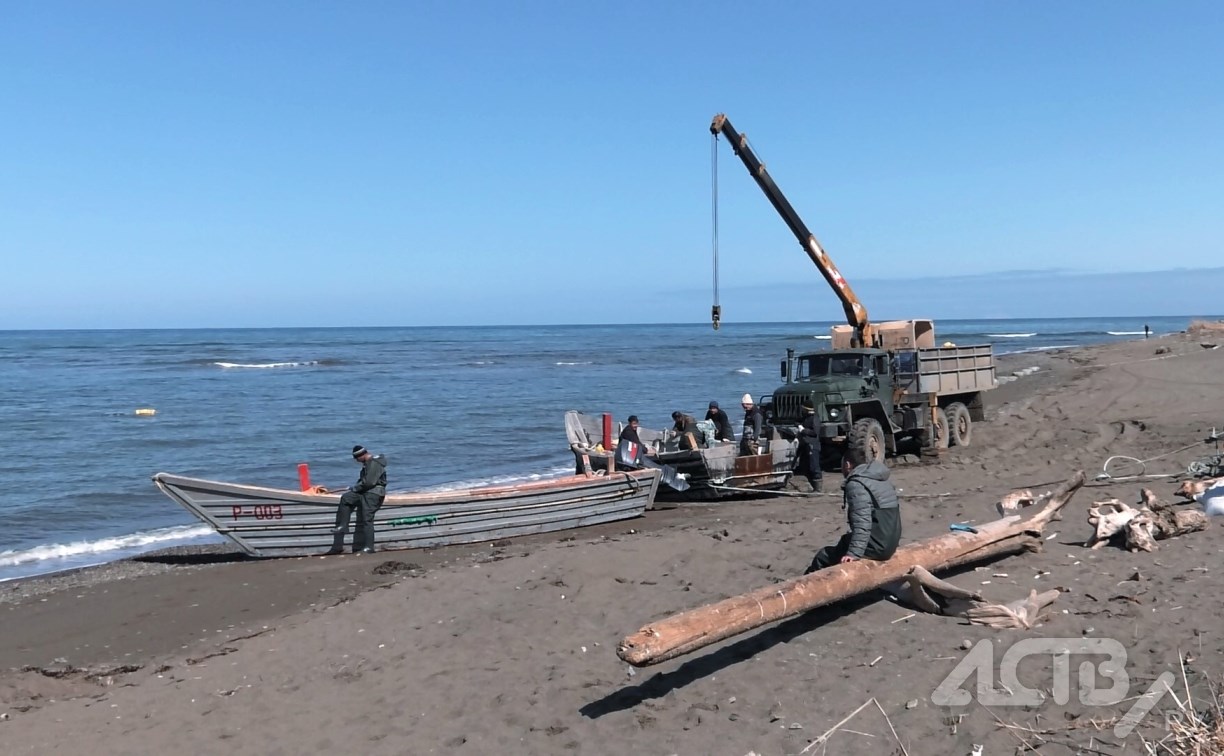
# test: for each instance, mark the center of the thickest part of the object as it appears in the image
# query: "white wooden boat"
(283, 522)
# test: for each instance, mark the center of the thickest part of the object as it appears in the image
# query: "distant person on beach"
(754, 423)
(722, 423)
(366, 496)
(691, 436)
(870, 501)
(809, 447)
(1146, 331)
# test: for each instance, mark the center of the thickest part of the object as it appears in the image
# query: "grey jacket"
(871, 509)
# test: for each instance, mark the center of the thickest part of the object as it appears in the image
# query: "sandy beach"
(510, 647)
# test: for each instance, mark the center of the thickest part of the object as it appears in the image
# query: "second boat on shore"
(717, 471)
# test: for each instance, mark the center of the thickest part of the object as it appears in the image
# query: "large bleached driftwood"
(1138, 528)
(696, 628)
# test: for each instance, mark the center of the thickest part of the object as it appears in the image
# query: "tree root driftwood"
(696, 628)
(1138, 528)
(950, 601)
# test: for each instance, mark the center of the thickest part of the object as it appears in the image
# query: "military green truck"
(881, 384)
(877, 399)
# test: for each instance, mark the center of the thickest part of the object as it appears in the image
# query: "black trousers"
(831, 555)
(809, 460)
(366, 505)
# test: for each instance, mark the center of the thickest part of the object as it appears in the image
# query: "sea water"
(449, 407)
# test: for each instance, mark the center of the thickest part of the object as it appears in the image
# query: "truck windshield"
(821, 365)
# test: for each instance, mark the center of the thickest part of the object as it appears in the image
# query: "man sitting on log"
(870, 501)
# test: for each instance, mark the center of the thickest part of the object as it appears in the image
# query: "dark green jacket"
(871, 509)
(373, 477)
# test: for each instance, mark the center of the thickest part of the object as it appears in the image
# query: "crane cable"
(715, 310)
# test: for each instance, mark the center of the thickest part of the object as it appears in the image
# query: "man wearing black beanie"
(366, 496)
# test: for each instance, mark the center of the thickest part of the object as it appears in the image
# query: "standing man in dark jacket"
(366, 496)
(754, 424)
(809, 447)
(871, 509)
(722, 423)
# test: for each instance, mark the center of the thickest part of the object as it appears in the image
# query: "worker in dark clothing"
(691, 436)
(809, 447)
(722, 423)
(366, 496)
(871, 507)
(630, 449)
(754, 424)
(630, 431)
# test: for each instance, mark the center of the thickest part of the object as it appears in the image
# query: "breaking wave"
(1010, 335)
(1125, 333)
(1042, 348)
(57, 556)
(266, 364)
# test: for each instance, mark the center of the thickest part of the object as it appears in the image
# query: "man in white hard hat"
(754, 421)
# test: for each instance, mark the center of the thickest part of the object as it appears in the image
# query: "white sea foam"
(265, 364)
(1125, 333)
(1044, 348)
(588, 362)
(1010, 335)
(500, 480)
(823, 338)
(135, 541)
(743, 371)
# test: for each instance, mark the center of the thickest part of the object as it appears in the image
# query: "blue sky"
(395, 163)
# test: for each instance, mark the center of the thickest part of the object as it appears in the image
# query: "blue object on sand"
(962, 527)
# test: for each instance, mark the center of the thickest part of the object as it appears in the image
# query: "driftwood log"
(1139, 528)
(696, 628)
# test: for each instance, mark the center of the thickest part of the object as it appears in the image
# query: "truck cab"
(843, 386)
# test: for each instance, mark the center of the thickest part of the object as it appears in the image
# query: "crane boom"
(856, 313)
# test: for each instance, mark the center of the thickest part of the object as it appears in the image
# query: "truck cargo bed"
(956, 369)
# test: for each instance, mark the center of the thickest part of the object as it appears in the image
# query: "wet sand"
(510, 647)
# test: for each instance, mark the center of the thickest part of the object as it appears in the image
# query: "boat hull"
(269, 522)
(717, 471)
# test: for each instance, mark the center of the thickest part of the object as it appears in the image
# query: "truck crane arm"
(856, 313)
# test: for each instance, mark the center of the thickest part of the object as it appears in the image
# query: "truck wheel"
(939, 433)
(866, 438)
(960, 425)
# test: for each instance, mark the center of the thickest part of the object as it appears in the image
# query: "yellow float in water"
(146, 411)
